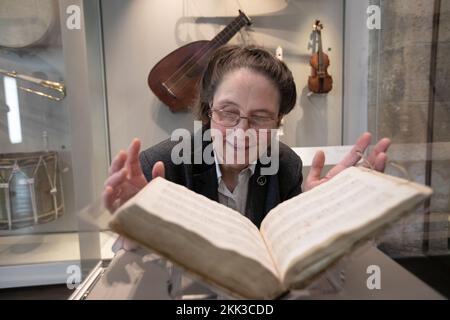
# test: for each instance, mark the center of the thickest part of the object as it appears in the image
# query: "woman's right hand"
(126, 177)
(125, 180)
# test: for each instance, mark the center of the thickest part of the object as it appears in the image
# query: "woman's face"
(244, 93)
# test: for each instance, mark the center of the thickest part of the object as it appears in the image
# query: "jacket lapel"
(262, 195)
(205, 181)
(204, 176)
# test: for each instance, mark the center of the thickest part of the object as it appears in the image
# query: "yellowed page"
(341, 209)
(200, 234)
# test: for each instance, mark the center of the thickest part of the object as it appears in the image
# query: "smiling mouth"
(241, 148)
(237, 147)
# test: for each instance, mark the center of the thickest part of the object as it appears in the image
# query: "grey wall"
(398, 107)
(137, 34)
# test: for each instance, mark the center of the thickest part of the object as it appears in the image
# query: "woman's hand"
(126, 177)
(125, 180)
(377, 160)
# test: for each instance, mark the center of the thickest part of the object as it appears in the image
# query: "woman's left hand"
(377, 160)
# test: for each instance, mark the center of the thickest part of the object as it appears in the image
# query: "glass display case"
(408, 101)
(74, 92)
(53, 141)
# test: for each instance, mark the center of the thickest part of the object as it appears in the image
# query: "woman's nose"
(243, 124)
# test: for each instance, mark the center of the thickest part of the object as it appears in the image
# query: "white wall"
(138, 33)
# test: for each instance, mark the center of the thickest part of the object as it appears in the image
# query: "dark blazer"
(264, 193)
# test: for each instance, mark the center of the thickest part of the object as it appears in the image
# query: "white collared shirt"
(236, 200)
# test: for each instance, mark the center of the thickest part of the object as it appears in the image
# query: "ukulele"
(319, 81)
(174, 79)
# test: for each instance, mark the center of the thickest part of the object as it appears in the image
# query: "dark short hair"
(232, 57)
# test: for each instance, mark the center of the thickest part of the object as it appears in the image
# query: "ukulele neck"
(230, 30)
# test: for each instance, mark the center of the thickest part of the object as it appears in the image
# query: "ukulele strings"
(180, 72)
(192, 65)
(235, 21)
(182, 69)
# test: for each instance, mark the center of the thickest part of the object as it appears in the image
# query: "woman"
(247, 89)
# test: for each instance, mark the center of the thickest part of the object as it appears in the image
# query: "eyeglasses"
(232, 119)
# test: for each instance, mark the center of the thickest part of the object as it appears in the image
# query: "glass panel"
(56, 128)
(408, 101)
(42, 181)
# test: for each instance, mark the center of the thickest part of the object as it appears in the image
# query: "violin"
(319, 81)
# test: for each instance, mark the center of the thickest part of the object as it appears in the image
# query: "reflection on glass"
(12, 104)
(409, 103)
(39, 136)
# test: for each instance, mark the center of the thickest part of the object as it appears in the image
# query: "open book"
(297, 240)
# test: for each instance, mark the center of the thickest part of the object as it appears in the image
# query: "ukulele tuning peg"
(279, 53)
